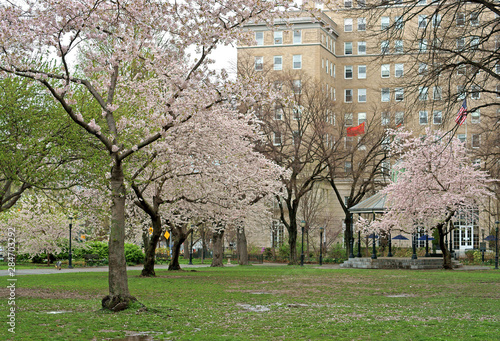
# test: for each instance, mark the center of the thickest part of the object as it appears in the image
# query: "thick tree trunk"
(446, 253)
(178, 236)
(119, 296)
(217, 243)
(348, 233)
(241, 245)
(150, 248)
(186, 249)
(292, 242)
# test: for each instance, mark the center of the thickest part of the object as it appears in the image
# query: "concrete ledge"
(397, 263)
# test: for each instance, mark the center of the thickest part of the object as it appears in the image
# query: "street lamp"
(359, 244)
(303, 225)
(374, 250)
(321, 246)
(414, 246)
(70, 265)
(496, 243)
(389, 254)
(427, 245)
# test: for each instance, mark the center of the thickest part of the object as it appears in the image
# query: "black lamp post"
(389, 254)
(427, 246)
(191, 248)
(374, 251)
(496, 243)
(359, 245)
(302, 225)
(70, 265)
(414, 246)
(321, 246)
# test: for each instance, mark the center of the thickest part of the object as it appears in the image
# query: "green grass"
(264, 303)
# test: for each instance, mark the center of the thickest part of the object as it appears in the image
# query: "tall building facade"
(389, 66)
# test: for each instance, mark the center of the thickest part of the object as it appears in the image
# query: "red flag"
(358, 130)
(462, 113)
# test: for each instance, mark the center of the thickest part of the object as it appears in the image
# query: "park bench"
(91, 259)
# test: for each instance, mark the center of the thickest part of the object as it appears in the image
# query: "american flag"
(462, 113)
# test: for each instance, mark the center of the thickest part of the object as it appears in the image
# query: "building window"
(399, 118)
(385, 118)
(297, 86)
(297, 61)
(475, 93)
(422, 93)
(422, 69)
(259, 63)
(347, 48)
(277, 138)
(348, 119)
(278, 37)
(437, 93)
(278, 62)
(462, 137)
(384, 23)
(460, 43)
(348, 164)
(348, 25)
(297, 112)
(436, 20)
(475, 116)
(399, 94)
(361, 117)
(422, 21)
(330, 117)
(398, 23)
(475, 140)
(398, 46)
(348, 3)
(348, 95)
(422, 117)
(361, 24)
(385, 94)
(385, 70)
(399, 70)
(422, 45)
(460, 19)
(361, 71)
(259, 38)
(384, 46)
(437, 117)
(362, 95)
(422, 2)
(348, 72)
(474, 19)
(461, 92)
(361, 47)
(474, 42)
(297, 36)
(278, 112)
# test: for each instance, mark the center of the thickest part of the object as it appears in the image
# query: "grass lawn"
(263, 303)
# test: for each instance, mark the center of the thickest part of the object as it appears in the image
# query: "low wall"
(397, 263)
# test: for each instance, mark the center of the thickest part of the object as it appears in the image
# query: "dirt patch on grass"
(46, 293)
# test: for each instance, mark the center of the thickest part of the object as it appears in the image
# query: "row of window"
(278, 62)
(278, 37)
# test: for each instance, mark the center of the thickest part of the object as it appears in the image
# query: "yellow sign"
(150, 231)
(167, 235)
(82, 236)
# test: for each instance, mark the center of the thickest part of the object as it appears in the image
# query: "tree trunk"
(217, 244)
(178, 236)
(348, 233)
(446, 253)
(241, 245)
(292, 242)
(203, 246)
(150, 248)
(186, 249)
(119, 296)
(307, 243)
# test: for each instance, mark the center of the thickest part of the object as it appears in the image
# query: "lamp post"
(321, 246)
(374, 251)
(496, 244)
(389, 254)
(427, 246)
(70, 265)
(414, 246)
(191, 248)
(302, 225)
(359, 245)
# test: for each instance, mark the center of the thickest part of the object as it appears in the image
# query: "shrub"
(133, 254)
(97, 248)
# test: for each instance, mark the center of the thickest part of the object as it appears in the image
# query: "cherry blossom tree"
(130, 57)
(435, 180)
